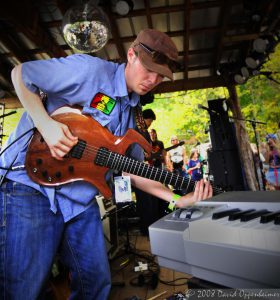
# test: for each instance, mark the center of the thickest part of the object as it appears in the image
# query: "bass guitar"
(97, 151)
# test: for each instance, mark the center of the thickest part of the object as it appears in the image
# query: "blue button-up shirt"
(74, 80)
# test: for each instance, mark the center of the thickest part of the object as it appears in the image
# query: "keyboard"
(232, 239)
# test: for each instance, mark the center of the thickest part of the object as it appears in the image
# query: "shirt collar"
(120, 83)
(121, 88)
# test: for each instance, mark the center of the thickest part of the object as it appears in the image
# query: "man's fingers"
(206, 190)
(201, 190)
(70, 139)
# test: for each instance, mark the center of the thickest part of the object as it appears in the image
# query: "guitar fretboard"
(120, 162)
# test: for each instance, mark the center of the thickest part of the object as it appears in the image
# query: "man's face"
(148, 122)
(153, 135)
(270, 142)
(139, 79)
(174, 141)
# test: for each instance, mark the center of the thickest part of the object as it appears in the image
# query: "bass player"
(37, 220)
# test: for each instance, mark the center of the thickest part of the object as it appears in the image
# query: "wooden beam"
(11, 103)
(187, 12)
(223, 20)
(190, 84)
(148, 13)
(115, 33)
(15, 46)
(24, 16)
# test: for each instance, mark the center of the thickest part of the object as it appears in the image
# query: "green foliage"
(260, 98)
(177, 113)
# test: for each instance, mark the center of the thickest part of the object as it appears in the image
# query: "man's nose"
(155, 78)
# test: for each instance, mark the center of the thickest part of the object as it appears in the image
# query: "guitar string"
(152, 170)
(89, 150)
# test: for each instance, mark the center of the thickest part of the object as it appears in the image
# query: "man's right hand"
(58, 137)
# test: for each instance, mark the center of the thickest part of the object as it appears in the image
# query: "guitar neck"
(115, 161)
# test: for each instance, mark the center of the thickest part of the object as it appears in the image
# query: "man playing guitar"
(40, 219)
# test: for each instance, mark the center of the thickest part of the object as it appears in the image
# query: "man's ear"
(131, 55)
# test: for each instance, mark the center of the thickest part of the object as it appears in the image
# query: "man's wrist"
(173, 201)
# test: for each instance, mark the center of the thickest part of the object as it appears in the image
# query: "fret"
(189, 180)
(150, 173)
(123, 162)
(181, 186)
(135, 169)
(122, 158)
(165, 177)
(126, 159)
(170, 181)
(113, 162)
(118, 163)
(147, 167)
(142, 171)
(176, 180)
(160, 175)
(133, 164)
(107, 161)
(130, 166)
(137, 165)
(156, 174)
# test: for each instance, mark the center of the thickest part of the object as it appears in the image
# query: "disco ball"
(85, 28)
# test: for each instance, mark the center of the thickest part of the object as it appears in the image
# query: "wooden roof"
(213, 37)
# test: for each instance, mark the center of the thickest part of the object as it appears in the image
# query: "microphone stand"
(254, 123)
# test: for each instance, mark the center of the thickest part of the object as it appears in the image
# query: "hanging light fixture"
(260, 45)
(86, 27)
(255, 60)
(242, 76)
(123, 7)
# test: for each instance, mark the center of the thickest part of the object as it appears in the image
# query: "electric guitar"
(97, 151)
(158, 154)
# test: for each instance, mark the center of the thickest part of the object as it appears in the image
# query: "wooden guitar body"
(79, 164)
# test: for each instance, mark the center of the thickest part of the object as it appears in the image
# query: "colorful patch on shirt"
(103, 103)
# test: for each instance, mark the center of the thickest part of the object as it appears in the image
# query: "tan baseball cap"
(156, 51)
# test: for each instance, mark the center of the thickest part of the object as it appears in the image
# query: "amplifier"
(108, 212)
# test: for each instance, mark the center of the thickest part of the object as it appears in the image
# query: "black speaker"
(222, 136)
(222, 131)
(225, 168)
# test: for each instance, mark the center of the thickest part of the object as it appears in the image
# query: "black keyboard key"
(269, 217)
(239, 214)
(176, 213)
(224, 213)
(253, 215)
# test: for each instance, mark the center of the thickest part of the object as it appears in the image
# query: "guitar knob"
(71, 169)
(39, 161)
(35, 170)
(58, 174)
(45, 174)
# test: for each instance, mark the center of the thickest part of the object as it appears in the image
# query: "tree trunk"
(243, 141)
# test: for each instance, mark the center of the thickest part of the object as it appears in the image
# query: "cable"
(2, 177)
(172, 282)
(17, 139)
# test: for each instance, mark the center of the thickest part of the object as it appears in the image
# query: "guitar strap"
(141, 126)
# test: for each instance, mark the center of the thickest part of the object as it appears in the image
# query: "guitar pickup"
(78, 150)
